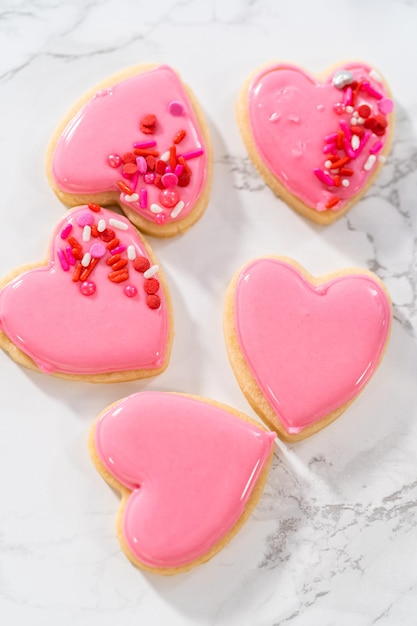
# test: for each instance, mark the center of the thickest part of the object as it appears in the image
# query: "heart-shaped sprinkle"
(311, 140)
(133, 197)
(89, 309)
(302, 348)
(190, 471)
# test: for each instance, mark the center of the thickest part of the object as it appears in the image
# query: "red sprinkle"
(160, 167)
(118, 276)
(147, 124)
(179, 136)
(151, 161)
(94, 207)
(107, 235)
(113, 259)
(364, 110)
(151, 285)
(332, 202)
(340, 163)
(125, 187)
(340, 138)
(153, 301)
(94, 231)
(357, 130)
(77, 272)
(130, 168)
(183, 162)
(337, 180)
(87, 270)
(345, 171)
(118, 265)
(129, 157)
(158, 182)
(370, 123)
(146, 152)
(183, 179)
(141, 264)
(172, 157)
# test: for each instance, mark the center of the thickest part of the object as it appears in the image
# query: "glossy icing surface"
(191, 467)
(310, 348)
(110, 124)
(291, 114)
(93, 325)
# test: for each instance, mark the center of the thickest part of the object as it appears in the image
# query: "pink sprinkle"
(345, 127)
(160, 218)
(97, 250)
(192, 154)
(85, 219)
(348, 96)
(178, 169)
(114, 160)
(372, 92)
(130, 291)
(176, 108)
(376, 147)
(70, 256)
(363, 142)
(66, 231)
(329, 147)
(134, 180)
(350, 152)
(142, 165)
(323, 177)
(88, 288)
(169, 180)
(149, 177)
(385, 106)
(330, 138)
(143, 198)
(63, 259)
(118, 249)
(145, 144)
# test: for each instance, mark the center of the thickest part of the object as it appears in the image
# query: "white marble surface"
(332, 541)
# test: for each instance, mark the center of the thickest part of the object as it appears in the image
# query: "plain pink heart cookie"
(138, 139)
(318, 143)
(302, 348)
(190, 472)
(98, 309)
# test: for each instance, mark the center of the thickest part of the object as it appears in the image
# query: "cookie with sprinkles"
(98, 309)
(138, 139)
(318, 143)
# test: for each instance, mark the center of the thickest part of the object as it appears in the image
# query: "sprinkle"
(77, 272)
(149, 177)
(134, 197)
(113, 259)
(151, 271)
(71, 258)
(130, 291)
(340, 163)
(107, 235)
(177, 209)
(114, 160)
(364, 110)
(370, 162)
(118, 224)
(101, 226)
(151, 285)
(355, 142)
(85, 219)
(341, 78)
(165, 156)
(172, 157)
(141, 264)
(120, 264)
(169, 180)
(160, 218)
(118, 276)
(372, 92)
(97, 250)
(88, 288)
(117, 250)
(155, 208)
(66, 231)
(345, 182)
(348, 96)
(345, 171)
(146, 152)
(176, 108)
(153, 301)
(128, 157)
(357, 130)
(124, 187)
(131, 253)
(74, 243)
(348, 149)
(192, 154)
(86, 259)
(349, 110)
(332, 202)
(86, 233)
(63, 259)
(328, 164)
(169, 198)
(330, 138)
(323, 177)
(329, 147)
(386, 105)
(141, 164)
(88, 270)
(178, 169)
(376, 147)
(337, 180)
(96, 208)
(360, 120)
(179, 136)
(112, 243)
(143, 198)
(130, 169)
(151, 143)
(363, 143)
(148, 124)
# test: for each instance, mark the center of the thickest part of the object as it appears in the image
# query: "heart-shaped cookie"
(97, 310)
(317, 143)
(138, 139)
(189, 470)
(303, 348)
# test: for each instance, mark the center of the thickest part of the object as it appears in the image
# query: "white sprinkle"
(85, 261)
(118, 224)
(101, 226)
(355, 142)
(370, 162)
(382, 158)
(328, 164)
(345, 182)
(131, 253)
(86, 233)
(360, 120)
(349, 109)
(374, 74)
(132, 198)
(155, 208)
(177, 209)
(151, 271)
(274, 117)
(165, 156)
(353, 121)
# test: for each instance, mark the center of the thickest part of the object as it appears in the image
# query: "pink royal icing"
(89, 156)
(95, 324)
(311, 135)
(311, 348)
(191, 467)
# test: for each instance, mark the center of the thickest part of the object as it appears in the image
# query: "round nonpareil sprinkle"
(88, 288)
